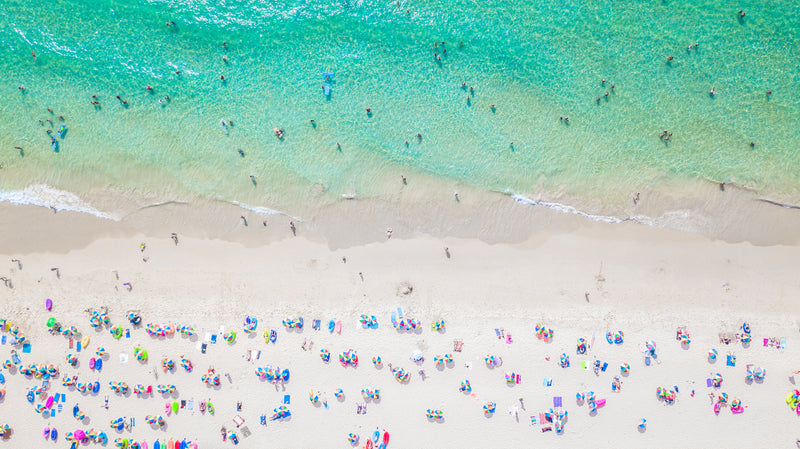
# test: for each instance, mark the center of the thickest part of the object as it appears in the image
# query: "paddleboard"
(91, 363)
(48, 304)
(98, 364)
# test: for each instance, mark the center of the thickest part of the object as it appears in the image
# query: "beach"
(389, 224)
(583, 281)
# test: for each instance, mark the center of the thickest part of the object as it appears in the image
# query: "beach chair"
(238, 420)
(458, 345)
(245, 431)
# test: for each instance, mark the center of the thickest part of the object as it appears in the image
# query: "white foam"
(43, 195)
(264, 210)
(568, 209)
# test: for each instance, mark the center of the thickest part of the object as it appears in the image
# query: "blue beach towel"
(731, 360)
(287, 399)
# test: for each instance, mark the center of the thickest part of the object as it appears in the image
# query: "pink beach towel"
(766, 342)
(509, 340)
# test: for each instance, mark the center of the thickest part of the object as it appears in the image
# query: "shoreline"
(424, 207)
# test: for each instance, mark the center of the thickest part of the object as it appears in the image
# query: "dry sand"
(643, 281)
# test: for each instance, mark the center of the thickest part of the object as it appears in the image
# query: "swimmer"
(603, 81)
(369, 111)
(178, 72)
(222, 77)
(149, 88)
(241, 153)
(224, 58)
(33, 53)
(670, 58)
(712, 91)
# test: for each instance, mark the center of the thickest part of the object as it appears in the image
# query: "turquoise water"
(536, 61)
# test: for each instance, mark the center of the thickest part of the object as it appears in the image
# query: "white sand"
(651, 282)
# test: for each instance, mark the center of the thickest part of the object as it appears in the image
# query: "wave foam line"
(43, 195)
(264, 210)
(569, 210)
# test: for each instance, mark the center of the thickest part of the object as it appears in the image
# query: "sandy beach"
(583, 281)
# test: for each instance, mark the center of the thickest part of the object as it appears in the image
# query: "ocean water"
(535, 61)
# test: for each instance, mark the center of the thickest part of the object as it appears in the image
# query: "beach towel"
(603, 369)
(534, 420)
(399, 313)
(190, 405)
(26, 348)
(127, 333)
(731, 360)
(316, 325)
(557, 401)
(766, 342)
(509, 340)
(123, 358)
(3, 339)
(287, 399)
(709, 383)
(214, 339)
(547, 382)
(583, 364)
(783, 343)
(394, 317)
(647, 361)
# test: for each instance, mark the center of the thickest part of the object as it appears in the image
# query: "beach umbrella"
(712, 354)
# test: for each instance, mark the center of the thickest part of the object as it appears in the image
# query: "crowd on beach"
(50, 386)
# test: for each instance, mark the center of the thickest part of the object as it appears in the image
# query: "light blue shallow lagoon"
(535, 61)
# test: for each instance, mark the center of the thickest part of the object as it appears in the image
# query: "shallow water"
(536, 61)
